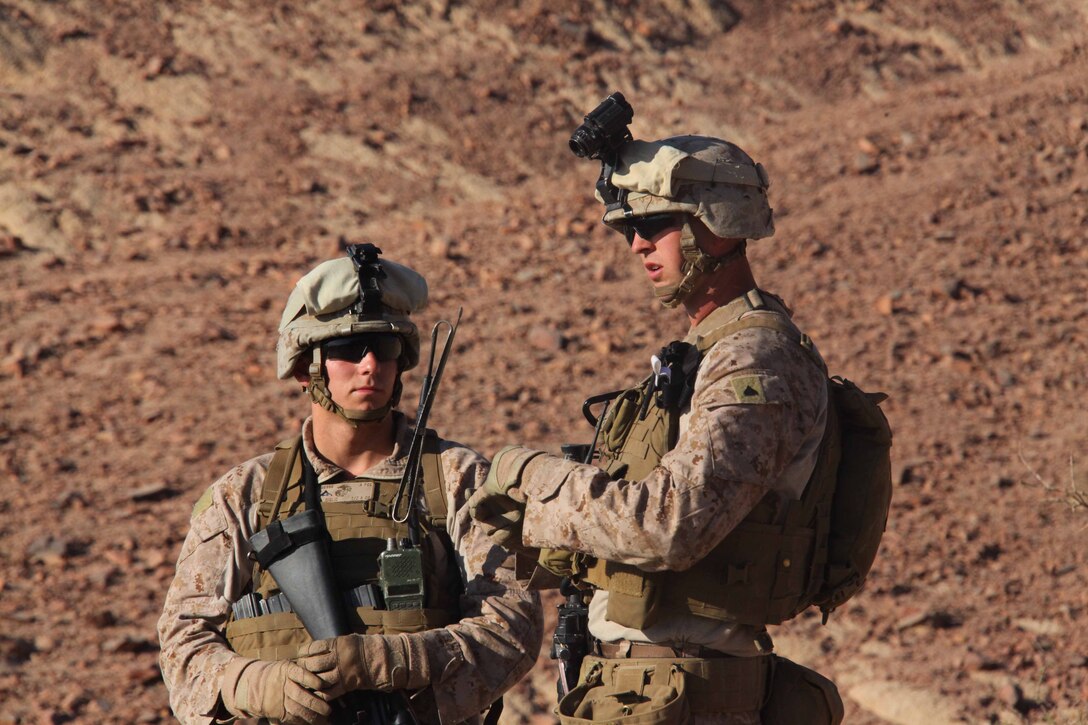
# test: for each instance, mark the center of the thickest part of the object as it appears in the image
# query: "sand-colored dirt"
(168, 170)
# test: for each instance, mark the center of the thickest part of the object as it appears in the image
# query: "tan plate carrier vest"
(762, 572)
(358, 531)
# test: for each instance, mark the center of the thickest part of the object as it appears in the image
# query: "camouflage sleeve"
(756, 402)
(498, 639)
(212, 571)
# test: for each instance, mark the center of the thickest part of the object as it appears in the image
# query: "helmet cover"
(713, 180)
(321, 307)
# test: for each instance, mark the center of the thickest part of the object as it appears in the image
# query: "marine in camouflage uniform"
(477, 635)
(650, 526)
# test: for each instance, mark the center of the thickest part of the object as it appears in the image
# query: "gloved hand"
(366, 662)
(279, 690)
(559, 562)
(499, 505)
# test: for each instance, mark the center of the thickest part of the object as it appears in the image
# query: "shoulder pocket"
(204, 526)
(209, 522)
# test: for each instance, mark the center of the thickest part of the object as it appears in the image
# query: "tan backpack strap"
(769, 321)
(284, 467)
(748, 302)
(434, 484)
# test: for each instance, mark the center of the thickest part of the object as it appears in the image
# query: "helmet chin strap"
(319, 393)
(697, 264)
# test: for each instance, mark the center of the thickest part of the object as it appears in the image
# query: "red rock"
(545, 338)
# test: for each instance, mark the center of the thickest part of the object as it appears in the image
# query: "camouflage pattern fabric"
(710, 178)
(477, 659)
(754, 425)
(320, 308)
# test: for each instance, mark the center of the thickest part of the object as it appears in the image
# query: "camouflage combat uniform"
(478, 658)
(753, 427)
(706, 516)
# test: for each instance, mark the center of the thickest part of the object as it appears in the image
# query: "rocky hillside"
(168, 170)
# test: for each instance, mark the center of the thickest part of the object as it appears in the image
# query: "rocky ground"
(167, 171)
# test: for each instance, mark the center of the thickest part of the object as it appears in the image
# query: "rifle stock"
(295, 552)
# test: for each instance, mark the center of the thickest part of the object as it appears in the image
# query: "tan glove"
(367, 662)
(499, 505)
(559, 562)
(280, 690)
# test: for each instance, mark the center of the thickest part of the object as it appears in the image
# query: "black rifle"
(570, 643)
(295, 552)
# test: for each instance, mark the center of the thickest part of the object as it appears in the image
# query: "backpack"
(849, 494)
(860, 492)
(763, 573)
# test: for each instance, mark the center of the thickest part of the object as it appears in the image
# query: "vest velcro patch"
(202, 503)
(749, 389)
(349, 491)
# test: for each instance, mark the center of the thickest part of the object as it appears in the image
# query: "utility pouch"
(638, 693)
(620, 417)
(279, 636)
(800, 696)
(633, 595)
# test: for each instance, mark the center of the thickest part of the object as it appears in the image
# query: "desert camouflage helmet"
(327, 303)
(713, 180)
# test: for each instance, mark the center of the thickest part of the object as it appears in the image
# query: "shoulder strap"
(284, 469)
(768, 320)
(434, 484)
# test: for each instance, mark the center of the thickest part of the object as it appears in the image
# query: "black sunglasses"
(650, 226)
(385, 346)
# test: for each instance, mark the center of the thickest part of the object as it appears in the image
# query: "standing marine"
(702, 511)
(420, 617)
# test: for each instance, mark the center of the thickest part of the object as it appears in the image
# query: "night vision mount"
(369, 269)
(600, 136)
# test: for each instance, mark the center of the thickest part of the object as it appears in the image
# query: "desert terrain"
(169, 170)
